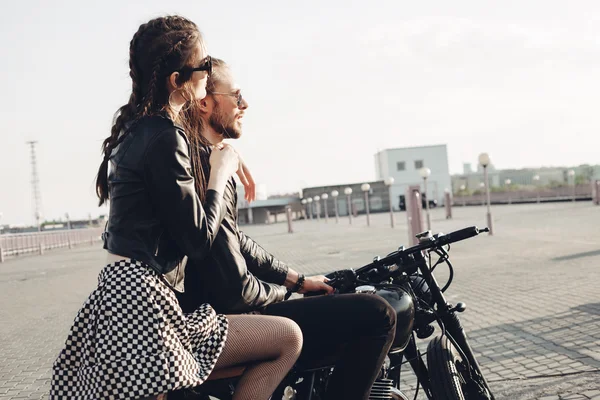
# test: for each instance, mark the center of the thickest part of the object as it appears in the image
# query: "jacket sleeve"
(251, 293)
(172, 193)
(260, 262)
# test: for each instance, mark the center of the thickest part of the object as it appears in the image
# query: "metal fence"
(566, 193)
(18, 244)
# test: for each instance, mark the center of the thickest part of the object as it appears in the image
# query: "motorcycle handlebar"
(459, 235)
(434, 242)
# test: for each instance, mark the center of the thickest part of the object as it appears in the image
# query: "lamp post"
(365, 187)
(482, 187)
(572, 181)
(309, 200)
(38, 218)
(317, 207)
(348, 193)
(507, 183)
(448, 203)
(68, 221)
(536, 180)
(484, 160)
(305, 206)
(425, 173)
(335, 195)
(389, 181)
(325, 196)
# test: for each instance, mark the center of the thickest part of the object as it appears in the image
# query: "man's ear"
(205, 105)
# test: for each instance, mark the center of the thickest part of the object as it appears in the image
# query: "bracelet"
(299, 283)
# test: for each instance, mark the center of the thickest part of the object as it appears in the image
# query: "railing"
(543, 195)
(18, 244)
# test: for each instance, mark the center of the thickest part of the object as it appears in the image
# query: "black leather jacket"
(153, 201)
(238, 275)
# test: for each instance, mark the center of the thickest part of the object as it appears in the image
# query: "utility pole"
(35, 186)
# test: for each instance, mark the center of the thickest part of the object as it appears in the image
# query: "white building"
(403, 164)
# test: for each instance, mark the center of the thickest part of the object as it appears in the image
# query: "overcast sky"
(329, 83)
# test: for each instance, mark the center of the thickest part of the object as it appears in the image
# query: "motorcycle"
(405, 279)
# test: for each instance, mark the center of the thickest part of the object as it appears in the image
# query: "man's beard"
(224, 126)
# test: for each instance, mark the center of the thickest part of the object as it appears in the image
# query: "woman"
(130, 339)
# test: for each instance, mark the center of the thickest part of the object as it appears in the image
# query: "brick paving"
(533, 313)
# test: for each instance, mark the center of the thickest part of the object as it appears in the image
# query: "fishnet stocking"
(270, 344)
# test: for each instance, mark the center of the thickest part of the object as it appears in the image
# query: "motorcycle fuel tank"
(404, 305)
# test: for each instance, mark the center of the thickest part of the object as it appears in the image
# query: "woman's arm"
(172, 193)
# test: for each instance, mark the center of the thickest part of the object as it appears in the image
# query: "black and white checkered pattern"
(131, 340)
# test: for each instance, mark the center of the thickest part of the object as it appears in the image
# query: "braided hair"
(158, 48)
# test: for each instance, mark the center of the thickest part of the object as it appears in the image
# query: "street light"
(462, 194)
(309, 200)
(68, 221)
(507, 184)
(365, 187)
(325, 196)
(536, 180)
(482, 187)
(572, 180)
(484, 160)
(425, 173)
(348, 193)
(389, 181)
(318, 207)
(305, 206)
(335, 194)
(38, 218)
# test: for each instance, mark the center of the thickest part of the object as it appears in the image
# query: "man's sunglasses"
(238, 96)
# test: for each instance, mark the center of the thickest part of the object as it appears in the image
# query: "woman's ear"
(173, 81)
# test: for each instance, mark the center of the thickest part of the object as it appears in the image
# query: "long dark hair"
(159, 47)
(199, 146)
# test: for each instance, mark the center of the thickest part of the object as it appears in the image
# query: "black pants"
(353, 331)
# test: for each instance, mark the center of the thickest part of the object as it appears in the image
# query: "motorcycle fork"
(458, 337)
(452, 324)
(415, 359)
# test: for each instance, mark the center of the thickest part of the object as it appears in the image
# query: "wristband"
(299, 283)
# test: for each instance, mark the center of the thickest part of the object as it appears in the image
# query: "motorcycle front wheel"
(449, 373)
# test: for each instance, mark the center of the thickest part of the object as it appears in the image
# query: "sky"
(329, 83)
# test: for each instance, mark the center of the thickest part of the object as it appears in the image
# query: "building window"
(418, 164)
(400, 166)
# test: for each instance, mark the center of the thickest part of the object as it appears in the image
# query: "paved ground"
(532, 294)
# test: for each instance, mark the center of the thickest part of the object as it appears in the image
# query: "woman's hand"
(247, 180)
(224, 160)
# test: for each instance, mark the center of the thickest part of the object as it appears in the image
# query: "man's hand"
(316, 284)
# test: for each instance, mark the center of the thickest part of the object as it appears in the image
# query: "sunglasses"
(238, 96)
(205, 66)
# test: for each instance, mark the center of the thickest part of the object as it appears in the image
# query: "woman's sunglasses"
(205, 66)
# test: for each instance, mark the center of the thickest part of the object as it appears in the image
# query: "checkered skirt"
(131, 340)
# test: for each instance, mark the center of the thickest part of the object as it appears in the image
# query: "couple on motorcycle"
(184, 291)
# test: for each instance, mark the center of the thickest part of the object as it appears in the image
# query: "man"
(239, 276)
